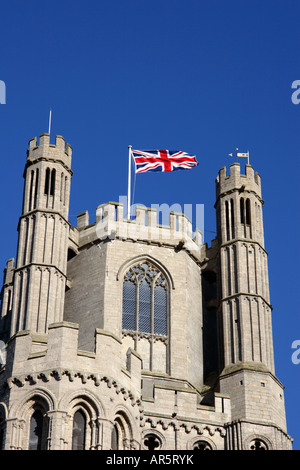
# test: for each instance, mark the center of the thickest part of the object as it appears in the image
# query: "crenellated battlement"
(110, 223)
(58, 151)
(250, 181)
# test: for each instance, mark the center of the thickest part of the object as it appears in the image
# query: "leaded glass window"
(129, 305)
(160, 303)
(145, 300)
(144, 317)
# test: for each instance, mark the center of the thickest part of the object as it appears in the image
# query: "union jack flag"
(162, 160)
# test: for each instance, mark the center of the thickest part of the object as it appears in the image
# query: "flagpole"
(129, 182)
(237, 154)
(49, 122)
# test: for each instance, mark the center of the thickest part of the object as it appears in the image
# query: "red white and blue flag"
(162, 160)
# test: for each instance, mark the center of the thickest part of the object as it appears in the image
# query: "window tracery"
(145, 314)
(258, 444)
(152, 442)
(145, 300)
(202, 445)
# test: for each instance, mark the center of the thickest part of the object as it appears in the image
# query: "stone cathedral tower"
(129, 334)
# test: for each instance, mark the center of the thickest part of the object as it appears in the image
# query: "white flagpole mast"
(237, 154)
(129, 182)
(49, 122)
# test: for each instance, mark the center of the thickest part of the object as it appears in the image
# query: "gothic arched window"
(47, 181)
(36, 188)
(36, 430)
(79, 429)
(145, 315)
(232, 217)
(227, 221)
(30, 190)
(248, 212)
(145, 300)
(52, 186)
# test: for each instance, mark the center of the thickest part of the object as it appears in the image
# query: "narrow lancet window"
(232, 217)
(160, 309)
(36, 431)
(36, 188)
(61, 187)
(65, 191)
(144, 318)
(248, 212)
(242, 210)
(52, 188)
(47, 181)
(79, 429)
(129, 305)
(227, 220)
(30, 190)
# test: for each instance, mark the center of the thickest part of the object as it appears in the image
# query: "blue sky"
(200, 76)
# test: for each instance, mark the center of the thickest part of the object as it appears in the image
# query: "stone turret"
(244, 312)
(242, 214)
(40, 272)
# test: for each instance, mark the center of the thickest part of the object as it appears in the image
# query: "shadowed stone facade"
(127, 334)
